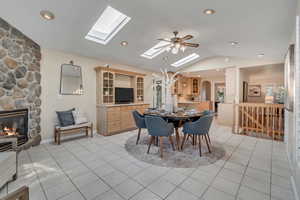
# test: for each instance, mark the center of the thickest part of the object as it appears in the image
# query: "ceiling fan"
(177, 43)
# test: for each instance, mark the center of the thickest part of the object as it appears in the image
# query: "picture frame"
(254, 91)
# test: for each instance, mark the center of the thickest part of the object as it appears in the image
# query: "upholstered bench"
(59, 131)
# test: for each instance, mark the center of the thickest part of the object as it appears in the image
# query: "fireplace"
(13, 123)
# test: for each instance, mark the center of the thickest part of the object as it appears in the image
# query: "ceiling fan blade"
(163, 46)
(190, 44)
(187, 37)
(161, 39)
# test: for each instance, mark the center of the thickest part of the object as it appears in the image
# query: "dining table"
(177, 118)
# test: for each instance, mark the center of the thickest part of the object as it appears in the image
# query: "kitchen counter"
(119, 105)
(197, 105)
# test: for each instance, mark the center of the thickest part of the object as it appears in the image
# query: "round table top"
(175, 116)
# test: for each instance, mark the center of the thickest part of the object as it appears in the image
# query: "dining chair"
(198, 128)
(208, 112)
(158, 127)
(139, 122)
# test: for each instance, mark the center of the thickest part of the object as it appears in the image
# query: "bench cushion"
(74, 126)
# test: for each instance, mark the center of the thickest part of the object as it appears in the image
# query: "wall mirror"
(71, 80)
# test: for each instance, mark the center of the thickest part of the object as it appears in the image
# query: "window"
(156, 50)
(185, 60)
(107, 26)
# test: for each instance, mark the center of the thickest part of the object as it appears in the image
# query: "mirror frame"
(61, 70)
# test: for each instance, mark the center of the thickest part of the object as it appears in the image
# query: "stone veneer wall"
(20, 76)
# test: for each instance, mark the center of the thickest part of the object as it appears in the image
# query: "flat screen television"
(124, 95)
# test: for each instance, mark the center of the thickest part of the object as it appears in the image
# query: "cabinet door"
(195, 86)
(108, 87)
(140, 89)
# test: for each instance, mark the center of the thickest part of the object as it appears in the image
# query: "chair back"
(157, 126)
(139, 119)
(208, 112)
(200, 127)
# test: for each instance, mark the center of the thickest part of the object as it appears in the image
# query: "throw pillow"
(79, 117)
(65, 118)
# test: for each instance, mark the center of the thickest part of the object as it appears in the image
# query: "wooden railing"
(20, 194)
(261, 120)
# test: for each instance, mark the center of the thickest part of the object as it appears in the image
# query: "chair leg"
(161, 146)
(138, 137)
(58, 137)
(150, 142)
(208, 138)
(207, 144)
(172, 143)
(55, 137)
(199, 138)
(183, 141)
(156, 141)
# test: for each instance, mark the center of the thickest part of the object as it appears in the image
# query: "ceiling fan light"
(174, 51)
(177, 45)
(182, 48)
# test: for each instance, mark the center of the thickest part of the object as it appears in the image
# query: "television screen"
(124, 95)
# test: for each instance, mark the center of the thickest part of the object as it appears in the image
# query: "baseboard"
(294, 188)
(293, 182)
(51, 140)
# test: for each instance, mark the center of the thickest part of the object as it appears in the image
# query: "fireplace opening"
(13, 123)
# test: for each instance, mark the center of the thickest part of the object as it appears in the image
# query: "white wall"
(52, 101)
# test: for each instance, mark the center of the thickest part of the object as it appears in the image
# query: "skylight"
(155, 51)
(107, 26)
(185, 60)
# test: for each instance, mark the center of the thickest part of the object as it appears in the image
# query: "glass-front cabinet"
(195, 86)
(108, 87)
(140, 89)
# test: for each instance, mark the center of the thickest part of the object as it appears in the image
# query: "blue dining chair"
(158, 127)
(198, 128)
(139, 122)
(208, 112)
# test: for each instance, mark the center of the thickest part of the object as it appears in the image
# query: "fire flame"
(9, 131)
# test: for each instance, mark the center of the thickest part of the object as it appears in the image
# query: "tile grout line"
(244, 174)
(38, 176)
(65, 175)
(92, 171)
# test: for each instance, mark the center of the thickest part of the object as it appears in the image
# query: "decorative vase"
(169, 100)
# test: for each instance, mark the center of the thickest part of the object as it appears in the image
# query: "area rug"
(187, 158)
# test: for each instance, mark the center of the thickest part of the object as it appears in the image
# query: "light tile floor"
(99, 168)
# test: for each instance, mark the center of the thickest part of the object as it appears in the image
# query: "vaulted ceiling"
(260, 26)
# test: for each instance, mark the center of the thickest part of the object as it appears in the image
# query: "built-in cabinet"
(115, 118)
(187, 86)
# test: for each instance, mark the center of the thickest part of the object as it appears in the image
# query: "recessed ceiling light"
(46, 14)
(260, 55)
(209, 11)
(124, 43)
(227, 59)
(233, 43)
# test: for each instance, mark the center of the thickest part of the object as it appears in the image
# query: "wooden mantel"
(119, 71)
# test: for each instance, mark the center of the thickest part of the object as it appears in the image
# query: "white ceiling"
(261, 26)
